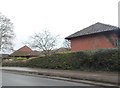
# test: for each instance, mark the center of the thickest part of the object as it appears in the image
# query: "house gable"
(24, 51)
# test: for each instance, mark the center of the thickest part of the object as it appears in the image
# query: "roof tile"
(95, 28)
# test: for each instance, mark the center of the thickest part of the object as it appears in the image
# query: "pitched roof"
(62, 49)
(35, 53)
(4, 55)
(24, 51)
(95, 28)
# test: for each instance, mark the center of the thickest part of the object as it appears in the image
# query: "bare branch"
(6, 33)
(66, 44)
(44, 41)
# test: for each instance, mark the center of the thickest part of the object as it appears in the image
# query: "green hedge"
(15, 63)
(97, 60)
(58, 61)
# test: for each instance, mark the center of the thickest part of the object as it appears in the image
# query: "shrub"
(22, 63)
(106, 59)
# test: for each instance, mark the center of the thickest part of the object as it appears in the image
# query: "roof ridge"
(106, 24)
(94, 28)
(99, 23)
(23, 47)
(84, 28)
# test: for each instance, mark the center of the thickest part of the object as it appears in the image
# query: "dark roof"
(16, 53)
(35, 53)
(95, 28)
(4, 55)
(62, 49)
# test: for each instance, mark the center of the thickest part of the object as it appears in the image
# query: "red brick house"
(96, 36)
(25, 51)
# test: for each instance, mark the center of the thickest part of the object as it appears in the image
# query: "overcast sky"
(62, 17)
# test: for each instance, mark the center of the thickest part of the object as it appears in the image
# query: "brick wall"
(91, 42)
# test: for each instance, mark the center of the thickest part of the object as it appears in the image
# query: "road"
(15, 79)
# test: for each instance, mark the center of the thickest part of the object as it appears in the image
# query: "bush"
(97, 60)
(22, 63)
(107, 60)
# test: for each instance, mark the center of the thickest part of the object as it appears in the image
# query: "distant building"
(62, 50)
(4, 56)
(25, 51)
(96, 36)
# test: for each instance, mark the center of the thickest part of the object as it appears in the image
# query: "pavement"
(94, 78)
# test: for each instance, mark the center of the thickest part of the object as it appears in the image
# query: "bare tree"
(66, 43)
(6, 33)
(44, 41)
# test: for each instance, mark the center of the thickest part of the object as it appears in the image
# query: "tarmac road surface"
(15, 79)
